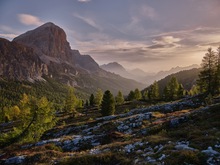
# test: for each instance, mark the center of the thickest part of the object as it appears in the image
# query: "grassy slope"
(202, 130)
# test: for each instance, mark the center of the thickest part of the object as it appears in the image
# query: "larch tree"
(137, 94)
(108, 104)
(71, 101)
(37, 116)
(119, 99)
(98, 97)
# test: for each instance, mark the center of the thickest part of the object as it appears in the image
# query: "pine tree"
(92, 100)
(87, 103)
(166, 93)
(131, 96)
(180, 91)
(154, 91)
(173, 87)
(137, 94)
(98, 97)
(119, 99)
(217, 76)
(145, 95)
(108, 104)
(207, 76)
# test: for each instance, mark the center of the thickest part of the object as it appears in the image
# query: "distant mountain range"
(135, 74)
(140, 75)
(45, 51)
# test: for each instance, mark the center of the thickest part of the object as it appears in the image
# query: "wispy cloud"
(83, 1)
(8, 32)
(8, 36)
(88, 21)
(28, 19)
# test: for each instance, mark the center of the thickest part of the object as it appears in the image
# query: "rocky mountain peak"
(47, 40)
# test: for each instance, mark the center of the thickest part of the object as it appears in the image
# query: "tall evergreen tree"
(207, 76)
(145, 95)
(217, 76)
(119, 99)
(108, 104)
(92, 100)
(180, 91)
(131, 96)
(173, 87)
(166, 93)
(154, 91)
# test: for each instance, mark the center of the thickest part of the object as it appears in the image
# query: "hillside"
(162, 74)
(187, 78)
(45, 52)
(182, 132)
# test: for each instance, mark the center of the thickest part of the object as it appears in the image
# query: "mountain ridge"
(48, 45)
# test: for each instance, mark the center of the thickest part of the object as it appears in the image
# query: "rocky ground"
(182, 132)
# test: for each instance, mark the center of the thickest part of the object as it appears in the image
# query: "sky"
(152, 35)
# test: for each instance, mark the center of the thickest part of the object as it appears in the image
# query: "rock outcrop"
(19, 62)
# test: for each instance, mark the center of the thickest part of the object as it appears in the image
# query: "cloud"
(146, 11)
(28, 19)
(8, 36)
(166, 40)
(84, 1)
(88, 21)
(8, 32)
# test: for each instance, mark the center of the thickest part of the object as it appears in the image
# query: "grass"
(202, 129)
(104, 159)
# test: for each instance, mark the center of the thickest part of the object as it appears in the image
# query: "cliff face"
(45, 51)
(47, 40)
(19, 62)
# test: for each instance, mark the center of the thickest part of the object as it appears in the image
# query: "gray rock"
(210, 152)
(15, 160)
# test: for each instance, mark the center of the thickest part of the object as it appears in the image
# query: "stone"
(210, 152)
(163, 156)
(184, 147)
(16, 160)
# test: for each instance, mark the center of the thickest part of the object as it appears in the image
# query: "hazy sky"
(148, 34)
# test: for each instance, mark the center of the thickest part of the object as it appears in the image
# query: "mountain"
(135, 74)
(117, 68)
(139, 72)
(140, 75)
(45, 52)
(162, 74)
